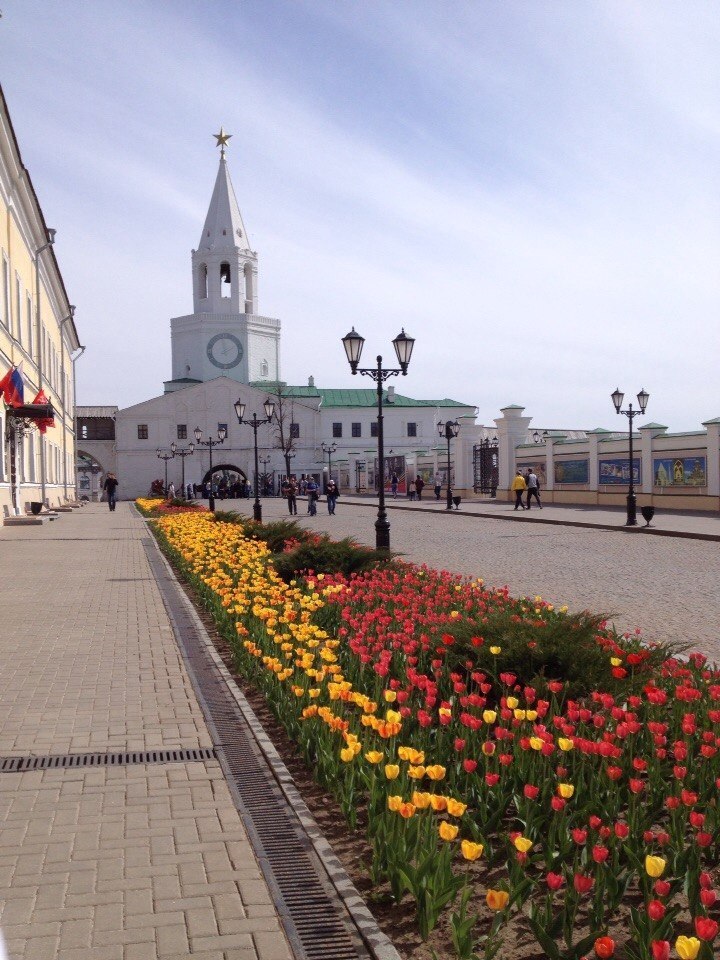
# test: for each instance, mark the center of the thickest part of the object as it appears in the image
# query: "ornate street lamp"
(329, 449)
(182, 452)
(617, 399)
(403, 344)
(210, 443)
(165, 457)
(449, 430)
(540, 437)
(255, 423)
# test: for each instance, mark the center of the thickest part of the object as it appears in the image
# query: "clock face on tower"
(224, 350)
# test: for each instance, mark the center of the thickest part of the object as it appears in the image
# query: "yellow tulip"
(374, 756)
(421, 800)
(531, 715)
(536, 743)
(655, 866)
(565, 744)
(406, 810)
(392, 771)
(394, 803)
(347, 754)
(519, 714)
(616, 661)
(523, 844)
(390, 696)
(497, 899)
(436, 772)
(438, 802)
(489, 716)
(512, 702)
(447, 831)
(687, 947)
(392, 716)
(455, 807)
(495, 650)
(566, 790)
(471, 851)
(416, 773)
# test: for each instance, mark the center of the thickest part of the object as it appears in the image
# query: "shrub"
(328, 556)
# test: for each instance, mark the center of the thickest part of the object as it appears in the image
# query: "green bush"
(565, 648)
(322, 555)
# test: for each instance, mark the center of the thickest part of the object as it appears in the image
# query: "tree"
(282, 424)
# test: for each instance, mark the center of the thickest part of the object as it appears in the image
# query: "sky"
(530, 189)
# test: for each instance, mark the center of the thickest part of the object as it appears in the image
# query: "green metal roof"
(366, 398)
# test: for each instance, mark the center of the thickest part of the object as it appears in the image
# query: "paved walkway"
(148, 861)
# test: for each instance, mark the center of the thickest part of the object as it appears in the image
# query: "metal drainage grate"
(81, 760)
(308, 905)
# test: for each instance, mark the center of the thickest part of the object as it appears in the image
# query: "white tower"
(224, 336)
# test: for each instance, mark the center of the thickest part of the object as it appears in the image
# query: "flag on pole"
(12, 387)
(44, 422)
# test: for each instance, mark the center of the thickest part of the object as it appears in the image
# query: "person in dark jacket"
(110, 487)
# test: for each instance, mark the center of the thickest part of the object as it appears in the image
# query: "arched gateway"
(225, 473)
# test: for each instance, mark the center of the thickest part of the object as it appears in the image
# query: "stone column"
(512, 430)
(713, 456)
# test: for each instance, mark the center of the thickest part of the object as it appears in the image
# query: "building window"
(337, 430)
(18, 303)
(412, 429)
(142, 431)
(225, 283)
(83, 432)
(264, 368)
(374, 429)
(6, 294)
(182, 431)
(294, 431)
(356, 429)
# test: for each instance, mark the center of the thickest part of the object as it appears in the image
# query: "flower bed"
(453, 719)
(160, 507)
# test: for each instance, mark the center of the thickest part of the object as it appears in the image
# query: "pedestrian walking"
(171, 491)
(110, 487)
(311, 488)
(533, 488)
(289, 491)
(519, 486)
(332, 493)
(394, 482)
(438, 486)
(419, 485)
(189, 491)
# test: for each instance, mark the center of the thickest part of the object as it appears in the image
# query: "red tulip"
(600, 854)
(469, 766)
(705, 881)
(583, 884)
(604, 947)
(706, 929)
(555, 880)
(662, 887)
(660, 949)
(530, 791)
(656, 910)
(707, 898)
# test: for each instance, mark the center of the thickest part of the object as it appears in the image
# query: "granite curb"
(375, 940)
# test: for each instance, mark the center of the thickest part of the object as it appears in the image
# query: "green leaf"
(548, 945)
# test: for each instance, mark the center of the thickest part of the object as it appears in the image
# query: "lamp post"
(255, 423)
(50, 235)
(329, 449)
(540, 437)
(617, 399)
(449, 430)
(210, 443)
(265, 461)
(353, 344)
(165, 457)
(182, 452)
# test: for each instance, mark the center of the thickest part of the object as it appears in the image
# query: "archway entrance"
(88, 476)
(230, 481)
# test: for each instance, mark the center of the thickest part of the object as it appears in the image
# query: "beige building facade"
(37, 335)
